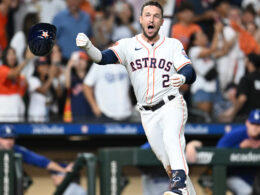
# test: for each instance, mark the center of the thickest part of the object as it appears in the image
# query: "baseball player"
(157, 67)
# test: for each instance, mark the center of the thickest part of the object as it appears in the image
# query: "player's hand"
(227, 116)
(97, 111)
(82, 41)
(177, 80)
(29, 55)
(250, 143)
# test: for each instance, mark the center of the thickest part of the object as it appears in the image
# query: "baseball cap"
(254, 117)
(7, 131)
(41, 60)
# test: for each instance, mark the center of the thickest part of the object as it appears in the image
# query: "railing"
(89, 161)
(112, 160)
(11, 173)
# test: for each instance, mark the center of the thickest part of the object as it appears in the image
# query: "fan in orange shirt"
(247, 42)
(12, 86)
(184, 28)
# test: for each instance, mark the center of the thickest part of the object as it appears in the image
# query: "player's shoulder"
(126, 40)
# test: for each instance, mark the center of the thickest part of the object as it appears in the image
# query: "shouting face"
(151, 21)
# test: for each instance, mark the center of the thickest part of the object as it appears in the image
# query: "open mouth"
(150, 28)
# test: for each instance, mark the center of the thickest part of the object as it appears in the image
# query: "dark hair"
(152, 3)
(217, 3)
(186, 6)
(29, 20)
(250, 9)
(4, 56)
(191, 40)
(254, 59)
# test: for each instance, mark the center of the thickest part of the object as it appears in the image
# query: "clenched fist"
(176, 80)
(82, 41)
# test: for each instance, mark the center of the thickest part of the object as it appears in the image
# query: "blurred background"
(63, 104)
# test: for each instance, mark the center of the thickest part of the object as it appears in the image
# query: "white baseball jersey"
(150, 66)
(111, 89)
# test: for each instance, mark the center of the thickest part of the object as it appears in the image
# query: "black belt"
(158, 105)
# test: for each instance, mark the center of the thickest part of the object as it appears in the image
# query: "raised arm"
(100, 57)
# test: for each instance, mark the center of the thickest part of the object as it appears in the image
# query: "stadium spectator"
(248, 15)
(55, 58)
(19, 42)
(12, 86)
(235, 52)
(184, 28)
(239, 181)
(125, 25)
(7, 142)
(256, 6)
(102, 29)
(75, 73)
(41, 90)
(247, 43)
(227, 101)
(204, 90)
(252, 28)
(248, 92)
(107, 90)
(234, 59)
(69, 22)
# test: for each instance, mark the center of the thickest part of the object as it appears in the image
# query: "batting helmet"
(41, 38)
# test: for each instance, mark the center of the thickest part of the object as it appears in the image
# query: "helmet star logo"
(45, 34)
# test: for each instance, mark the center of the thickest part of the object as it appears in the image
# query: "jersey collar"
(160, 40)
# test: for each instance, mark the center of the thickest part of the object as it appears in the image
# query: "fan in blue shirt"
(68, 23)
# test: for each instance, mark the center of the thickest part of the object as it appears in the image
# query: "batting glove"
(83, 42)
(176, 80)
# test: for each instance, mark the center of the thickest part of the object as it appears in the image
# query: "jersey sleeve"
(233, 138)
(119, 48)
(180, 58)
(91, 77)
(34, 83)
(32, 158)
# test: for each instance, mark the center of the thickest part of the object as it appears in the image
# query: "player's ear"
(140, 19)
(162, 21)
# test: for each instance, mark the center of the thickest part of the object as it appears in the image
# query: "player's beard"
(150, 37)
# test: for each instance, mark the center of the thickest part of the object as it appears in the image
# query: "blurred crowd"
(221, 37)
